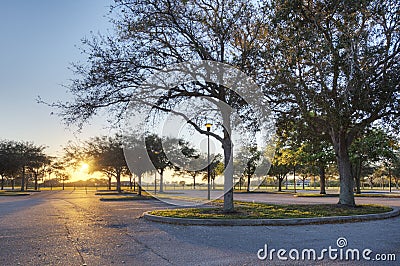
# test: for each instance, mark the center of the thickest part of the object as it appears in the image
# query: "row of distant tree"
(22, 160)
(374, 155)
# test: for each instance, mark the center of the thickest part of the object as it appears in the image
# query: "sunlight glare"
(84, 167)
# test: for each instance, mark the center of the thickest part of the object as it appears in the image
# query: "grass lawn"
(13, 193)
(378, 195)
(124, 196)
(113, 192)
(263, 191)
(315, 195)
(364, 194)
(249, 210)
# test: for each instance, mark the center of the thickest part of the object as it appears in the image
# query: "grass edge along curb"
(14, 194)
(362, 195)
(126, 198)
(274, 222)
(314, 195)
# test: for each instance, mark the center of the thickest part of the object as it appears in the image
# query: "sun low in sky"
(82, 173)
(84, 168)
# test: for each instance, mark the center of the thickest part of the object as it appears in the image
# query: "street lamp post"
(208, 126)
(390, 181)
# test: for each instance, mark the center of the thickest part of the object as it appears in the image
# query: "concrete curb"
(273, 222)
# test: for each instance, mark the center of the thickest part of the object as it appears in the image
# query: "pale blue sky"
(38, 41)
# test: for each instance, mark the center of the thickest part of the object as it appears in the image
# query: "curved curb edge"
(274, 222)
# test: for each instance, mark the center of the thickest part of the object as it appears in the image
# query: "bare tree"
(153, 34)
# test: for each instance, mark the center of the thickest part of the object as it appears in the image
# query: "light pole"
(208, 126)
(390, 181)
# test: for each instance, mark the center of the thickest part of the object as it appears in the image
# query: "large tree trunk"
(36, 181)
(322, 180)
(23, 179)
(280, 184)
(341, 145)
(162, 180)
(248, 182)
(213, 180)
(228, 174)
(2, 182)
(140, 184)
(228, 161)
(118, 177)
(109, 182)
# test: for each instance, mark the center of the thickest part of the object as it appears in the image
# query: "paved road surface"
(75, 228)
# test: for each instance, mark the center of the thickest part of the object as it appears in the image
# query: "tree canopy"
(332, 64)
(335, 64)
(17, 158)
(103, 154)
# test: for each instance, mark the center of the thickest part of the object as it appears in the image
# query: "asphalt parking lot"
(75, 228)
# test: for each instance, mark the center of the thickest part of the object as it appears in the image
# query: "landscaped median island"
(249, 210)
(13, 193)
(123, 196)
(366, 195)
(249, 213)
